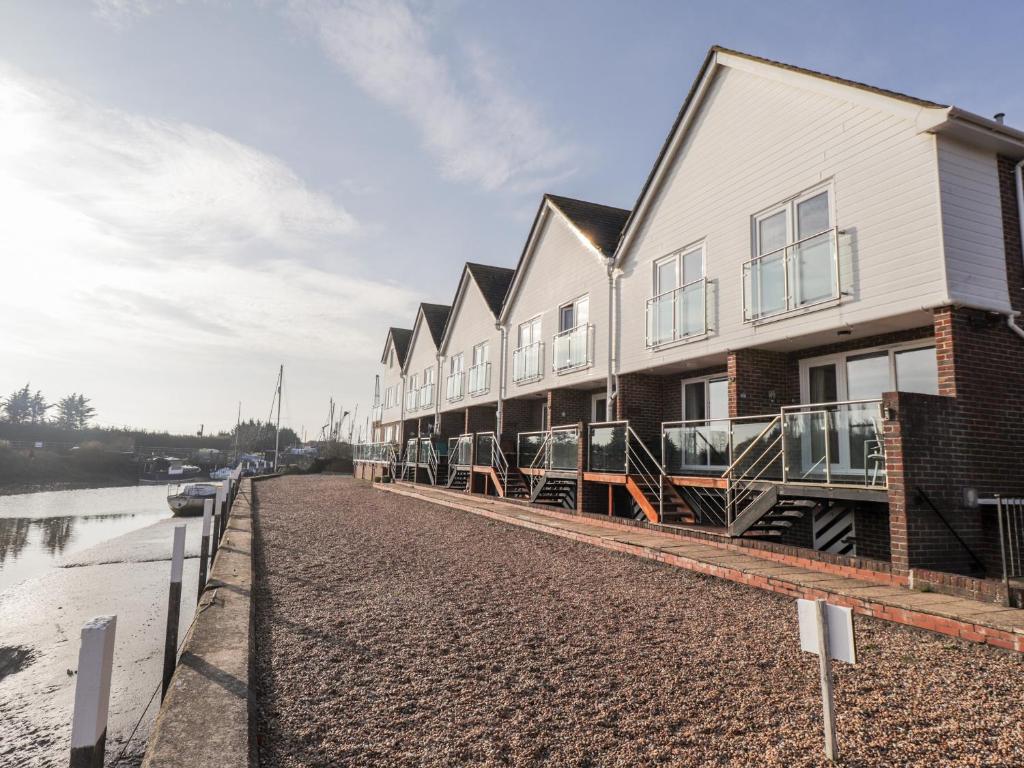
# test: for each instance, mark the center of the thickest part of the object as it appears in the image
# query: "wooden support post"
(825, 666)
(204, 546)
(92, 692)
(226, 485)
(220, 512)
(173, 608)
(611, 499)
(214, 538)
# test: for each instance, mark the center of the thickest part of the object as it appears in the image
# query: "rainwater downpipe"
(1018, 175)
(501, 377)
(611, 386)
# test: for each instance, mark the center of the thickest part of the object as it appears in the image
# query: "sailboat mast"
(277, 428)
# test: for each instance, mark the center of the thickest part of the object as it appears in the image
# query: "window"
(427, 390)
(411, 394)
(572, 348)
(677, 310)
(388, 434)
(528, 357)
(454, 382)
(706, 429)
(480, 371)
(794, 257)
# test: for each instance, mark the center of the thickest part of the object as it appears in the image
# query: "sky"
(194, 193)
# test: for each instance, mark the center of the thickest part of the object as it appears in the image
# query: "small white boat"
(187, 500)
(221, 474)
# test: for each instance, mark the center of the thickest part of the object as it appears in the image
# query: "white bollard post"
(227, 500)
(92, 692)
(173, 608)
(207, 519)
(825, 667)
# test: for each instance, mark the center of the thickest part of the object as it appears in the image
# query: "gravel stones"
(391, 631)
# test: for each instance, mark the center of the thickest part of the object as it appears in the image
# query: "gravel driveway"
(395, 632)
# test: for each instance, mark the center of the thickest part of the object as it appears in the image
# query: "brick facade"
(967, 437)
(761, 381)
(480, 418)
(519, 415)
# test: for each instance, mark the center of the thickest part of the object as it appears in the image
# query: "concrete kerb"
(204, 720)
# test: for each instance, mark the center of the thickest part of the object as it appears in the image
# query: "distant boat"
(164, 468)
(187, 500)
(221, 474)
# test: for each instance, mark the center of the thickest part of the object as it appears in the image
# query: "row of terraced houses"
(802, 337)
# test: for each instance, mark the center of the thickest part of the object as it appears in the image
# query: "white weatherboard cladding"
(757, 141)
(562, 268)
(391, 377)
(972, 225)
(471, 323)
(422, 355)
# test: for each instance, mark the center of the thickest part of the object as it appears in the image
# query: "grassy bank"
(25, 470)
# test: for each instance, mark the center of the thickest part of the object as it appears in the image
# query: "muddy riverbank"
(106, 551)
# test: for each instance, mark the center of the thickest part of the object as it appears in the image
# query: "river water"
(65, 557)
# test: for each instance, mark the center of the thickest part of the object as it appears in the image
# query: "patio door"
(706, 434)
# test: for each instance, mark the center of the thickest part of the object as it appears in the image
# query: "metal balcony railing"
(614, 448)
(528, 362)
(707, 446)
(411, 398)
(572, 349)
(454, 386)
(556, 449)
(479, 379)
(460, 450)
(796, 276)
(840, 443)
(375, 453)
(426, 397)
(677, 314)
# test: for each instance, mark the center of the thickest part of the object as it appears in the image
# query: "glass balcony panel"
(608, 448)
(767, 285)
(529, 445)
(812, 270)
(484, 448)
(690, 310)
(565, 449)
(526, 362)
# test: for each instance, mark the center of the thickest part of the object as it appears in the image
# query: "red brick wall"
(970, 436)
(646, 400)
(761, 381)
(519, 415)
(481, 418)
(1011, 233)
(569, 406)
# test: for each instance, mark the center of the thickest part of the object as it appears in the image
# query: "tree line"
(23, 406)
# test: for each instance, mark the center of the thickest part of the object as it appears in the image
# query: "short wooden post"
(216, 528)
(204, 546)
(825, 666)
(173, 608)
(92, 692)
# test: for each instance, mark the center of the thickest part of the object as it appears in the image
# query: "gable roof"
(599, 225)
(939, 114)
(436, 317)
(400, 337)
(493, 283)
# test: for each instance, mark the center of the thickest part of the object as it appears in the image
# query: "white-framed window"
(677, 309)
(411, 394)
(388, 433)
(480, 370)
(571, 347)
(599, 407)
(794, 261)
(454, 385)
(528, 358)
(427, 389)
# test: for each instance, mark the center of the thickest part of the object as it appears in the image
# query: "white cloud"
(151, 248)
(118, 11)
(479, 130)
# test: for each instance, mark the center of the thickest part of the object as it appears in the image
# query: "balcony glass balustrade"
(479, 378)
(527, 362)
(793, 277)
(572, 348)
(677, 314)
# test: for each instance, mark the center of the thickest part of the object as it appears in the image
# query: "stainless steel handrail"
(485, 385)
(788, 296)
(676, 335)
(568, 334)
(520, 376)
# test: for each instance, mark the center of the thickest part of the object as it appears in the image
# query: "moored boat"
(187, 500)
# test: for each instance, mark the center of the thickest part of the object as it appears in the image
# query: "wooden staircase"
(673, 510)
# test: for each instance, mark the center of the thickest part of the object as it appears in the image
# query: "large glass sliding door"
(706, 417)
